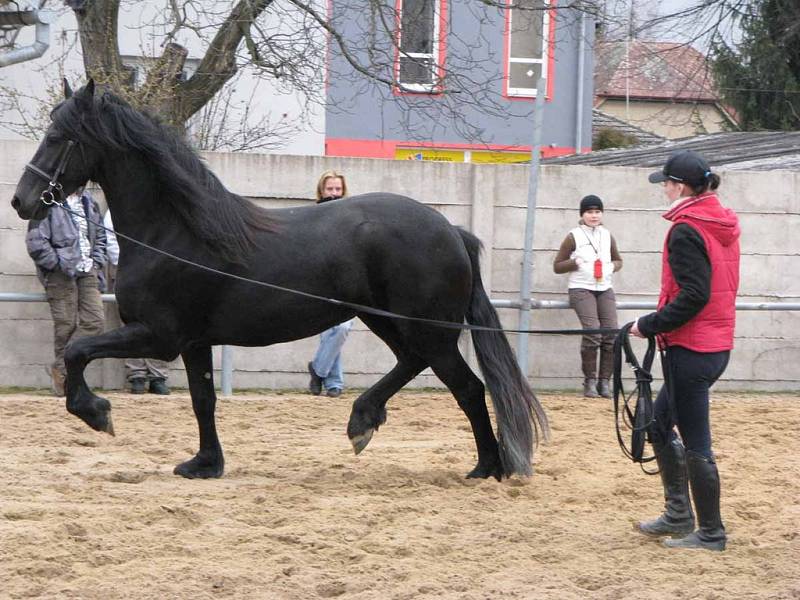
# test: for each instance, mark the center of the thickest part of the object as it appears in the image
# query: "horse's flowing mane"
(223, 220)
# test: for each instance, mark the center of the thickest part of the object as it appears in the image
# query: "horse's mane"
(225, 221)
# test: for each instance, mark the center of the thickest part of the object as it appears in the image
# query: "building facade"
(465, 82)
(665, 88)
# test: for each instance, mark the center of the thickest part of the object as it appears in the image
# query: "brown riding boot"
(590, 388)
(59, 381)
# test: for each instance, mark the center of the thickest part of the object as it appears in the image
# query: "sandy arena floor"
(297, 515)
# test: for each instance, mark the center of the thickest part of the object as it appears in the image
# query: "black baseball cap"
(684, 166)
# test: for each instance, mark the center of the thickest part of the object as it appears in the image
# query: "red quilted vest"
(711, 330)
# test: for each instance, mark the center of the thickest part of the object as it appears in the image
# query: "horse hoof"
(197, 469)
(109, 428)
(360, 441)
(94, 411)
(483, 472)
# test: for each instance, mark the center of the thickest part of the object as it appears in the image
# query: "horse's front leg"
(131, 341)
(209, 461)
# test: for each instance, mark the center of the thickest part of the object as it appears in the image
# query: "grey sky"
(695, 29)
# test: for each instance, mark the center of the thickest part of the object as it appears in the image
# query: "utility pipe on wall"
(579, 91)
(42, 20)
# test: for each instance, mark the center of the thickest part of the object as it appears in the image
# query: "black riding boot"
(677, 517)
(704, 479)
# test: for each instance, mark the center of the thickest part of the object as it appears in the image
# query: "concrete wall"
(490, 200)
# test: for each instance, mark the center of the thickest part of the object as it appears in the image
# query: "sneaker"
(138, 385)
(334, 393)
(59, 380)
(315, 383)
(159, 386)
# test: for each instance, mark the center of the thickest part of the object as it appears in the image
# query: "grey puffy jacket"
(53, 243)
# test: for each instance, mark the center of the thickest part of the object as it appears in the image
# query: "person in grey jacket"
(69, 251)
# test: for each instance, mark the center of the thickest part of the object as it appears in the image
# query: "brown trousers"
(596, 310)
(76, 308)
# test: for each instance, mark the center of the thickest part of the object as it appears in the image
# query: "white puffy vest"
(591, 243)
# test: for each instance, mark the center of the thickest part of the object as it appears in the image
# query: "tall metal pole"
(226, 374)
(530, 221)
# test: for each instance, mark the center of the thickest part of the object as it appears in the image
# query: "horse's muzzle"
(29, 213)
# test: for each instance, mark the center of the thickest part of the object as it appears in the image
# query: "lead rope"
(641, 419)
(358, 307)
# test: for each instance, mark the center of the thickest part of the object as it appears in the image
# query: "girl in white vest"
(589, 254)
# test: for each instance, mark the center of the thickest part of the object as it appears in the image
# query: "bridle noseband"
(48, 196)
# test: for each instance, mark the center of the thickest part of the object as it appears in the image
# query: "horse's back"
(412, 251)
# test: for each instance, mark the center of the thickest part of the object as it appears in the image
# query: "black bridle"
(48, 196)
(641, 420)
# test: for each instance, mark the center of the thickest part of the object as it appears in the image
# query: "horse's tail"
(520, 417)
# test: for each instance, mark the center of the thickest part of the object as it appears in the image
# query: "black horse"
(388, 252)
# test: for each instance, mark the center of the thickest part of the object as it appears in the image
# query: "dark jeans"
(595, 310)
(691, 374)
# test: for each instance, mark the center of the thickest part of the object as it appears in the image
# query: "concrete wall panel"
(490, 200)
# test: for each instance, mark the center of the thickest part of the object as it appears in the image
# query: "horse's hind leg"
(369, 409)
(209, 461)
(132, 340)
(450, 367)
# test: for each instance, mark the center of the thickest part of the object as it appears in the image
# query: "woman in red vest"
(694, 323)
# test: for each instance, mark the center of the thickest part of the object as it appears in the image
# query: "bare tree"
(222, 126)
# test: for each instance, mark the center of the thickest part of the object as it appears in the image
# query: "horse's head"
(62, 162)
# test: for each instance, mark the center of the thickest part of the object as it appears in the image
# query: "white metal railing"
(226, 368)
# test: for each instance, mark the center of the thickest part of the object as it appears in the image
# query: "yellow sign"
(429, 154)
(501, 157)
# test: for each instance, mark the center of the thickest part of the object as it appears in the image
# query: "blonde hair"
(330, 175)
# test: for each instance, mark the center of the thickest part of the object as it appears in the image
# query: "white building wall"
(37, 83)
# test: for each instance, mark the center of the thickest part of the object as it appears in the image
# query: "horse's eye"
(53, 138)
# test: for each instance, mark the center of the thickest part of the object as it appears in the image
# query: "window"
(419, 44)
(528, 26)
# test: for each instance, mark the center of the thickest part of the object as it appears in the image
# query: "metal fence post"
(530, 221)
(226, 377)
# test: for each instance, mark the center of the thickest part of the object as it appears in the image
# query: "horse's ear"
(85, 95)
(67, 90)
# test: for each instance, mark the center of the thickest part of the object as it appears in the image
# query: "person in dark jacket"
(69, 251)
(694, 323)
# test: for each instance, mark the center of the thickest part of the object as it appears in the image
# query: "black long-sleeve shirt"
(691, 268)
